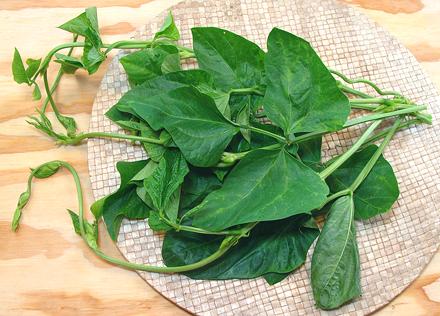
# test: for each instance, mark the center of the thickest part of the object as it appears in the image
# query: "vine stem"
(57, 78)
(77, 139)
(370, 164)
(263, 132)
(345, 156)
(361, 80)
(226, 244)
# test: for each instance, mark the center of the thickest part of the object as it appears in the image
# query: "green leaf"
(148, 63)
(192, 119)
(278, 246)
(301, 94)
(197, 185)
(91, 230)
(22, 201)
(232, 60)
(378, 191)
(265, 185)
(47, 170)
(124, 203)
(310, 152)
(92, 58)
(36, 93)
(243, 118)
(32, 68)
(18, 70)
(335, 262)
(155, 151)
(169, 29)
(274, 278)
(157, 224)
(85, 24)
(69, 64)
(165, 179)
(68, 123)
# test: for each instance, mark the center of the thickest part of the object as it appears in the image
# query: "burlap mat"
(394, 248)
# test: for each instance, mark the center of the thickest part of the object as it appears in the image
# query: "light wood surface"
(45, 269)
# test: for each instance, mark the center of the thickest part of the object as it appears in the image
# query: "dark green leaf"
(378, 191)
(274, 278)
(148, 63)
(278, 246)
(310, 152)
(301, 94)
(197, 185)
(124, 203)
(18, 70)
(265, 185)
(232, 60)
(335, 262)
(157, 224)
(193, 120)
(69, 64)
(155, 151)
(169, 29)
(243, 118)
(47, 170)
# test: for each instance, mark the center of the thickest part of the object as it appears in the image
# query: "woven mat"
(394, 248)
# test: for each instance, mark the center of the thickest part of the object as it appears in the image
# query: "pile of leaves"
(235, 178)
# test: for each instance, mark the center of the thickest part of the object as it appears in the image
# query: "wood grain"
(45, 268)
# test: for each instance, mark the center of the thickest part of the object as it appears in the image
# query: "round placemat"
(394, 247)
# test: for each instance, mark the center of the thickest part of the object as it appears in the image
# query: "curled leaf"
(22, 201)
(169, 29)
(47, 170)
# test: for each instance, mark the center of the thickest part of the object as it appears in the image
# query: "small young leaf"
(33, 65)
(92, 58)
(335, 262)
(169, 29)
(18, 70)
(47, 170)
(85, 24)
(166, 179)
(91, 230)
(69, 64)
(148, 63)
(22, 201)
(36, 94)
(68, 123)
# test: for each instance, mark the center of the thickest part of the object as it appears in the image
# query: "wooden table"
(45, 269)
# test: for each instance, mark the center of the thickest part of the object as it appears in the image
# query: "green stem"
(368, 82)
(197, 230)
(78, 138)
(385, 132)
(352, 91)
(57, 78)
(345, 156)
(370, 164)
(263, 132)
(49, 95)
(227, 243)
(230, 158)
(380, 116)
(251, 90)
